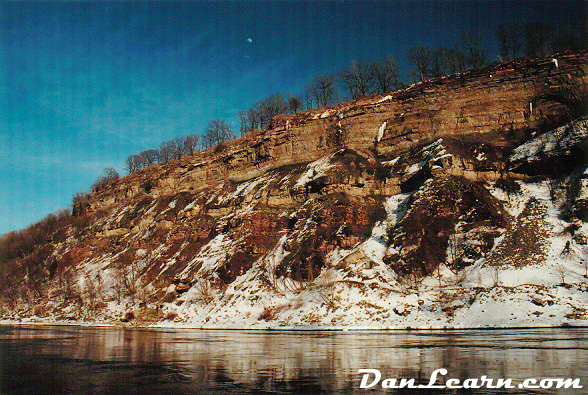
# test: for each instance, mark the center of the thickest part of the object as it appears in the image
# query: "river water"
(98, 360)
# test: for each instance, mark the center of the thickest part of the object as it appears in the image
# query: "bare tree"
(253, 114)
(475, 55)
(109, 176)
(261, 113)
(165, 153)
(326, 286)
(268, 108)
(508, 36)
(455, 60)
(133, 163)
(438, 62)
(294, 104)
(274, 105)
(250, 119)
(495, 275)
(191, 143)
(68, 288)
(322, 90)
(150, 157)
(245, 124)
(421, 57)
(538, 38)
(308, 98)
(79, 197)
(177, 147)
(92, 289)
(204, 293)
(358, 79)
(561, 272)
(217, 131)
(385, 74)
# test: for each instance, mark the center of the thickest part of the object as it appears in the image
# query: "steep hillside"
(460, 201)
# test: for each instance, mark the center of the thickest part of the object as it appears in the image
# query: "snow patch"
(396, 207)
(381, 131)
(391, 162)
(415, 168)
(314, 170)
(211, 256)
(385, 98)
(557, 139)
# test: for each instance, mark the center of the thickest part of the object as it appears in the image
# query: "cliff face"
(342, 214)
(506, 103)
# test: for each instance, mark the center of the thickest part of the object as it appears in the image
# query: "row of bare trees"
(360, 79)
(217, 131)
(382, 76)
(434, 63)
(363, 79)
(167, 151)
(538, 38)
(535, 38)
(261, 112)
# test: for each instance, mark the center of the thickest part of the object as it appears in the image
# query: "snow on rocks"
(385, 98)
(210, 257)
(375, 247)
(559, 139)
(381, 131)
(363, 292)
(314, 170)
(429, 156)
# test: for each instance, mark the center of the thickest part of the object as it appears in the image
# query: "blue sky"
(85, 84)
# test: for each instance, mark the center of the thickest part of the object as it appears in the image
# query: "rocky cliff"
(456, 201)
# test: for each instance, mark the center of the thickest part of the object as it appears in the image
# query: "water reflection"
(76, 360)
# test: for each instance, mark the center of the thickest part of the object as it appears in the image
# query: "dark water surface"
(81, 360)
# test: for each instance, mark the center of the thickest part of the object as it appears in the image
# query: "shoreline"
(498, 308)
(8, 323)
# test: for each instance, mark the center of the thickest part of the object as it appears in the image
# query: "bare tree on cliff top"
(358, 79)
(422, 58)
(109, 176)
(274, 105)
(508, 36)
(165, 152)
(385, 74)
(474, 52)
(177, 147)
(217, 131)
(191, 143)
(294, 104)
(150, 157)
(134, 163)
(538, 38)
(322, 90)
